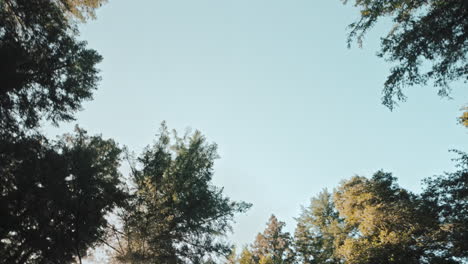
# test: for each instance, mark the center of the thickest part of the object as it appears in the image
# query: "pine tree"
(273, 245)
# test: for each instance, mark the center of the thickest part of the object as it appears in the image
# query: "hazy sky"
(272, 82)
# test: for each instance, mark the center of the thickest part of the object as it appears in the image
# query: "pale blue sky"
(272, 83)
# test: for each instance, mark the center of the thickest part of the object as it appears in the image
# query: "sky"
(292, 109)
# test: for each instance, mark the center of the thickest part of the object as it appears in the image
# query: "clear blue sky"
(272, 83)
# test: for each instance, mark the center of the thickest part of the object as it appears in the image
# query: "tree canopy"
(374, 220)
(318, 227)
(46, 72)
(55, 196)
(427, 42)
(447, 196)
(381, 220)
(272, 246)
(176, 214)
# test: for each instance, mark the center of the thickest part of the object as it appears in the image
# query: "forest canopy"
(61, 199)
(374, 220)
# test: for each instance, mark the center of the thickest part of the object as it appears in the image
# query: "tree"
(448, 198)
(376, 221)
(246, 257)
(384, 222)
(46, 72)
(176, 214)
(428, 42)
(273, 245)
(55, 196)
(318, 229)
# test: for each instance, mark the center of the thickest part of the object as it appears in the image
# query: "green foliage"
(447, 196)
(55, 195)
(176, 214)
(46, 72)
(376, 221)
(273, 245)
(318, 227)
(424, 32)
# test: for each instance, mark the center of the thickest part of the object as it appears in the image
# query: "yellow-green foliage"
(246, 257)
(319, 231)
(464, 117)
(381, 219)
(82, 9)
(266, 260)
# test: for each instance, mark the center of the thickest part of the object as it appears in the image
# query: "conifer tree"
(55, 196)
(176, 214)
(46, 72)
(319, 228)
(273, 245)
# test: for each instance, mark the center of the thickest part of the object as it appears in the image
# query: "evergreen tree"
(55, 196)
(447, 198)
(273, 245)
(46, 72)
(318, 228)
(177, 215)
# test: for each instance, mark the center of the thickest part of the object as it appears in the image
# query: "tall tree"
(428, 42)
(246, 257)
(319, 228)
(273, 245)
(46, 73)
(177, 215)
(55, 196)
(383, 222)
(448, 198)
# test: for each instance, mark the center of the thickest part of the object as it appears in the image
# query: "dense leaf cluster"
(375, 221)
(176, 214)
(46, 73)
(55, 195)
